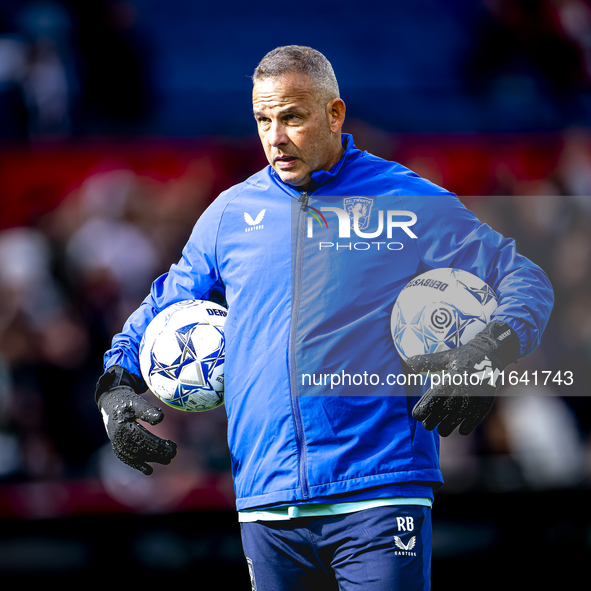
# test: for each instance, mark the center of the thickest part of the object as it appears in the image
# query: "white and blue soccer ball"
(440, 310)
(182, 355)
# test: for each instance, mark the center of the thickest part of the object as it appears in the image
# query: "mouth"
(284, 161)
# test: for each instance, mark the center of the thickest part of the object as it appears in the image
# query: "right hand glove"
(465, 403)
(117, 396)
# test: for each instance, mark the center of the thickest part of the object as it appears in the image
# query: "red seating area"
(33, 180)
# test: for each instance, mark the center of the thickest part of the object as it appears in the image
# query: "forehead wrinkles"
(274, 94)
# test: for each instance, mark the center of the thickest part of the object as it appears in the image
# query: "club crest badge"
(360, 208)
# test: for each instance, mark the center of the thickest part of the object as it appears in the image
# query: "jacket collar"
(321, 177)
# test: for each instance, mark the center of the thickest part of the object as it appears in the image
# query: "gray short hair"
(301, 59)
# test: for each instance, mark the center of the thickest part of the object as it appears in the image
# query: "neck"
(337, 155)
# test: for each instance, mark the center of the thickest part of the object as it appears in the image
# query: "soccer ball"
(440, 310)
(182, 355)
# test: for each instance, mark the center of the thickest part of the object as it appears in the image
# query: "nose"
(277, 136)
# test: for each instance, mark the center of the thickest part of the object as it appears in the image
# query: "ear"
(335, 111)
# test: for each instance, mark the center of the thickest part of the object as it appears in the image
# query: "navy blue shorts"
(385, 549)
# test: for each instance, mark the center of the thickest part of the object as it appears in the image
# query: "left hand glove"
(447, 405)
(118, 398)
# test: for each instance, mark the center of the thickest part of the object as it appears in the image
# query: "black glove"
(117, 396)
(466, 402)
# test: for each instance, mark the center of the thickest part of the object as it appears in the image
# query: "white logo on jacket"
(256, 223)
(359, 210)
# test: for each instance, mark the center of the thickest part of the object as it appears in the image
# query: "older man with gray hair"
(299, 113)
(334, 486)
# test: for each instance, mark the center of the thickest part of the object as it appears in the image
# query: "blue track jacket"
(309, 292)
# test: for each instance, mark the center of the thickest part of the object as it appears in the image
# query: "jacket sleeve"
(450, 235)
(195, 276)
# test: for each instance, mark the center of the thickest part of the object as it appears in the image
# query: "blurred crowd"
(69, 281)
(70, 276)
(70, 68)
(537, 436)
(67, 285)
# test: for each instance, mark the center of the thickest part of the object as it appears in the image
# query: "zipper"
(293, 378)
(304, 201)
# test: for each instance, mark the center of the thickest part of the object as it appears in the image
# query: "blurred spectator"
(68, 68)
(37, 78)
(522, 40)
(10, 451)
(114, 92)
(13, 108)
(49, 82)
(35, 329)
(574, 17)
(94, 250)
(543, 437)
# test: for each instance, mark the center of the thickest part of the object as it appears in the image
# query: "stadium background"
(120, 120)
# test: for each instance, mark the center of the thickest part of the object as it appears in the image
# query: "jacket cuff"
(118, 376)
(506, 342)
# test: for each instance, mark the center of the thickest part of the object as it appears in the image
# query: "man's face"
(299, 133)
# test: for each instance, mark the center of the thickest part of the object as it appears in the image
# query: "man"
(333, 486)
